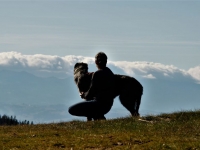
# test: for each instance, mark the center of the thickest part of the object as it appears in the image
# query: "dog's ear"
(76, 65)
(85, 65)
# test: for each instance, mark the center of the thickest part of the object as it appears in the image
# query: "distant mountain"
(170, 95)
(25, 88)
(47, 99)
(40, 99)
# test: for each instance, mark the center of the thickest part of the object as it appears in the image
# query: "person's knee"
(71, 110)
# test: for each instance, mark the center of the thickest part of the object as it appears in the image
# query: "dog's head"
(81, 76)
(83, 67)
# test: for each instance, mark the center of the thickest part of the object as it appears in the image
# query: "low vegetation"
(180, 130)
(6, 120)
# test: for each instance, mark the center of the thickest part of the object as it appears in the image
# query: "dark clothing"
(102, 85)
(99, 96)
(92, 109)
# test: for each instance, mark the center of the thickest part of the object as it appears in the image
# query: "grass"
(180, 130)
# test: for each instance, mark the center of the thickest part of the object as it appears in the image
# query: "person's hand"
(90, 73)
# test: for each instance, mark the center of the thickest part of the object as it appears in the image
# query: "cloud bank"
(41, 65)
(62, 67)
(195, 72)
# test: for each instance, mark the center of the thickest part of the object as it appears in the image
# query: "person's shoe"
(99, 118)
(89, 119)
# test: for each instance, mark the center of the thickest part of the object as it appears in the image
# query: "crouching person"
(99, 98)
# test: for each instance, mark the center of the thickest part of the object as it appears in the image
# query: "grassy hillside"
(179, 130)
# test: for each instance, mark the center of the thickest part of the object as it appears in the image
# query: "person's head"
(101, 60)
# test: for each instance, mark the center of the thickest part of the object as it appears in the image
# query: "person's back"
(102, 86)
(105, 79)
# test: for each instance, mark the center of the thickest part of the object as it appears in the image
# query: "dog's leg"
(135, 114)
(137, 105)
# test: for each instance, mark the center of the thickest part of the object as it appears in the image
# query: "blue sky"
(157, 42)
(160, 31)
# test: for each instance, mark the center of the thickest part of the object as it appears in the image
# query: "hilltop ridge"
(179, 130)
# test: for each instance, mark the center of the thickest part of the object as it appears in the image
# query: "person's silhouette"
(99, 97)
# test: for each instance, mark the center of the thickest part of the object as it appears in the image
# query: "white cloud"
(195, 72)
(149, 76)
(152, 70)
(41, 65)
(62, 67)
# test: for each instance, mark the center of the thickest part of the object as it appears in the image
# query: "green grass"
(179, 131)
